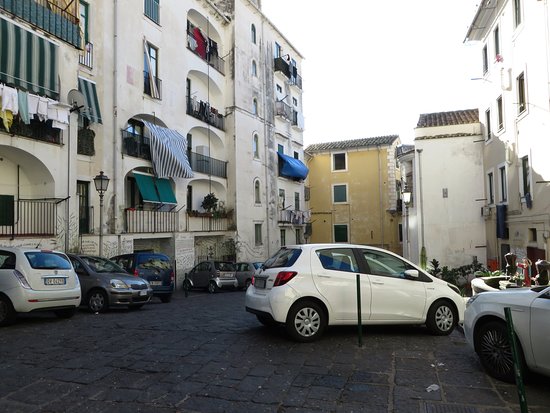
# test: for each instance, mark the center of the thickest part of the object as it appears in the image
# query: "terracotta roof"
(457, 117)
(403, 149)
(352, 144)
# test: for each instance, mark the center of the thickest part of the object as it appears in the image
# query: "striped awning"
(88, 89)
(168, 152)
(28, 61)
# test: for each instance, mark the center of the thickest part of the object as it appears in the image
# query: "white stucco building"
(172, 100)
(514, 96)
(443, 171)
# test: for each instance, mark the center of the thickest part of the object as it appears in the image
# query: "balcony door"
(83, 192)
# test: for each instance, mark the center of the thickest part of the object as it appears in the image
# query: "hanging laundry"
(42, 109)
(201, 43)
(23, 100)
(6, 116)
(9, 100)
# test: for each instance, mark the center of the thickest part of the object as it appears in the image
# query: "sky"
(372, 67)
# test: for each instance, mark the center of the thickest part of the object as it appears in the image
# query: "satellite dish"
(76, 99)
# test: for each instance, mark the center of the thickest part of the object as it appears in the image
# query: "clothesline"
(4, 74)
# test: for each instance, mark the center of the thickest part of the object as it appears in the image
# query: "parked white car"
(307, 287)
(486, 331)
(36, 280)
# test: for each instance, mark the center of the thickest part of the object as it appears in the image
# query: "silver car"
(105, 284)
(244, 271)
(211, 275)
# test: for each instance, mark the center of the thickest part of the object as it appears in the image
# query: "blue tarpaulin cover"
(292, 167)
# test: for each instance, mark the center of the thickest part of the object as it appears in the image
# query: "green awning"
(88, 89)
(28, 61)
(147, 187)
(166, 194)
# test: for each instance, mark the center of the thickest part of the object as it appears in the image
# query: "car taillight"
(136, 273)
(22, 280)
(283, 277)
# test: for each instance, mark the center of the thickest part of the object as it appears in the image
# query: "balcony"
(40, 131)
(86, 56)
(150, 221)
(54, 19)
(27, 217)
(289, 70)
(207, 165)
(202, 110)
(284, 110)
(136, 145)
(154, 92)
(204, 47)
(208, 221)
(293, 217)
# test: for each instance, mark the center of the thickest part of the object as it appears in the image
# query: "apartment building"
(354, 192)
(514, 112)
(192, 109)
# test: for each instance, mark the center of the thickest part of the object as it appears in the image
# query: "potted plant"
(210, 202)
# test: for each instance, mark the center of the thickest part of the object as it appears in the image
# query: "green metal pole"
(359, 323)
(516, 356)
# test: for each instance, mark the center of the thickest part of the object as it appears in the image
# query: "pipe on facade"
(116, 149)
(381, 206)
(266, 148)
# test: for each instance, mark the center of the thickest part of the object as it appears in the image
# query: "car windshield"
(47, 260)
(153, 261)
(285, 257)
(224, 266)
(102, 265)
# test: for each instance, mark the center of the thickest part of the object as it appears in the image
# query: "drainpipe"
(381, 204)
(116, 147)
(423, 254)
(266, 148)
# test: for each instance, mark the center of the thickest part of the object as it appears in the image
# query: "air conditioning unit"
(486, 211)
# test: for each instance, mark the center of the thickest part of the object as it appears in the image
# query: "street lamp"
(101, 183)
(407, 202)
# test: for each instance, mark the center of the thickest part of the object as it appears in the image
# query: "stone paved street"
(204, 353)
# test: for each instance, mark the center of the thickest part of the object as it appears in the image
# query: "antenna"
(76, 99)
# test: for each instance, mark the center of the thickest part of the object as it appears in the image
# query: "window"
(277, 50)
(339, 259)
(254, 69)
(189, 206)
(152, 10)
(279, 88)
(83, 193)
(280, 148)
(295, 102)
(485, 57)
(517, 13)
(339, 162)
(258, 234)
(283, 237)
(297, 201)
(385, 265)
(151, 84)
(488, 124)
(532, 235)
(522, 103)
(340, 233)
(255, 106)
(298, 236)
(253, 34)
(339, 193)
(84, 13)
(525, 176)
(281, 198)
(490, 188)
(496, 39)
(256, 146)
(296, 156)
(503, 184)
(500, 113)
(257, 192)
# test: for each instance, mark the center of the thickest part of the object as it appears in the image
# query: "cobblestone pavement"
(204, 353)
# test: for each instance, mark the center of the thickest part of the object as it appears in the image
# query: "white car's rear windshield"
(46, 260)
(285, 257)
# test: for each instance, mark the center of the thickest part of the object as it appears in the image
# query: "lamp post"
(101, 183)
(407, 202)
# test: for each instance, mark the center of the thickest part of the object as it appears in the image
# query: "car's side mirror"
(411, 274)
(81, 271)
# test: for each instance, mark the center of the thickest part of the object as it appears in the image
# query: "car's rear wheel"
(186, 285)
(65, 313)
(442, 318)
(306, 321)
(166, 298)
(495, 352)
(7, 313)
(212, 287)
(97, 301)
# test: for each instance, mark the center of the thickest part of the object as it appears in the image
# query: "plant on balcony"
(210, 202)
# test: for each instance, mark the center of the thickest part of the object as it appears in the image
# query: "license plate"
(259, 283)
(155, 282)
(55, 281)
(143, 292)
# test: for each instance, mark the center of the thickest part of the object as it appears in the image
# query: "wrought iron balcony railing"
(86, 56)
(207, 165)
(150, 221)
(27, 217)
(202, 110)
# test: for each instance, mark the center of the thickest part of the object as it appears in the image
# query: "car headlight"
(471, 299)
(119, 284)
(454, 288)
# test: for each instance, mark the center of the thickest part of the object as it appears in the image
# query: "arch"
(255, 106)
(256, 145)
(257, 192)
(253, 33)
(254, 69)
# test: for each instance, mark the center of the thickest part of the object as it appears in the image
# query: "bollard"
(516, 357)
(359, 323)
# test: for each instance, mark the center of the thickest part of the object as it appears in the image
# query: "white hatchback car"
(486, 332)
(36, 280)
(307, 287)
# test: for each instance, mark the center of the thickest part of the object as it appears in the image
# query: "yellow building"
(354, 192)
